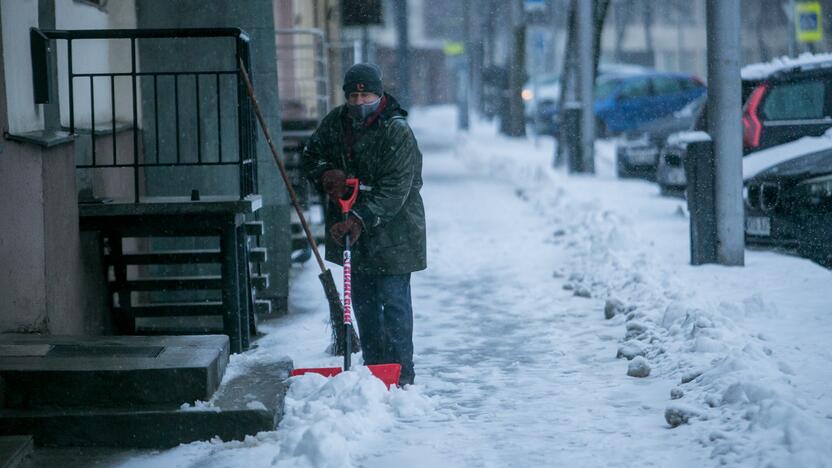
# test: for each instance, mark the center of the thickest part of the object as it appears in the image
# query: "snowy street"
(516, 364)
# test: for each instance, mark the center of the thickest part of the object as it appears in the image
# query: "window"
(604, 88)
(689, 83)
(666, 85)
(795, 101)
(636, 88)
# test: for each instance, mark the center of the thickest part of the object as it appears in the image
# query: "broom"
(336, 309)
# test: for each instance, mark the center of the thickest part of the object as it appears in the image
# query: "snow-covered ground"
(517, 363)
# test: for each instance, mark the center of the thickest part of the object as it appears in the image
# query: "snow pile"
(200, 405)
(326, 418)
(732, 387)
(325, 421)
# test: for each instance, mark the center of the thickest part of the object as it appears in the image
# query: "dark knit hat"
(363, 78)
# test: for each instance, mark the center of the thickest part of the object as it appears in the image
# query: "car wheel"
(621, 167)
(601, 129)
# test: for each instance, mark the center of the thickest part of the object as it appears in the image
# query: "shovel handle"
(346, 204)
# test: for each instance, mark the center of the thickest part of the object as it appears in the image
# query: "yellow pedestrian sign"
(453, 48)
(808, 22)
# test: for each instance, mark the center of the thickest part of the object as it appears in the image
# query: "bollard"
(570, 136)
(701, 197)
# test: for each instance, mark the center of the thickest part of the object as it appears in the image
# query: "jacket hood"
(393, 108)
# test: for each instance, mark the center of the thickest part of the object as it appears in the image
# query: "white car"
(542, 89)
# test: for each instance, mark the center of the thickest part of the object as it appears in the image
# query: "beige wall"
(46, 285)
(22, 276)
(43, 285)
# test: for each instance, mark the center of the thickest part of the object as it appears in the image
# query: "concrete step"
(260, 281)
(245, 405)
(14, 450)
(191, 325)
(254, 228)
(76, 371)
(263, 307)
(258, 255)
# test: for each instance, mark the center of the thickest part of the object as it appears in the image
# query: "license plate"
(641, 156)
(758, 226)
(676, 177)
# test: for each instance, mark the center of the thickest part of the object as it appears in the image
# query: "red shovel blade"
(387, 373)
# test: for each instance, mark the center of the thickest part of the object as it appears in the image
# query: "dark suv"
(790, 205)
(782, 102)
(790, 103)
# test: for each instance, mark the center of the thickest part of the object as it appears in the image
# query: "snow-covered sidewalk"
(516, 363)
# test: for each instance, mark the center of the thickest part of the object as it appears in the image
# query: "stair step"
(175, 309)
(231, 416)
(258, 254)
(167, 257)
(109, 371)
(262, 307)
(13, 449)
(254, 228)
(180, 325)
(175, 283)
(260, 281)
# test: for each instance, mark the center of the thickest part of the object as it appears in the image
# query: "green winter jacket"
(386, 159)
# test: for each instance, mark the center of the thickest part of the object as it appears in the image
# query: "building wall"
(51, 277)
(18, 16)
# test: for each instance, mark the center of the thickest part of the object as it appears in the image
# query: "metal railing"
(246, 134)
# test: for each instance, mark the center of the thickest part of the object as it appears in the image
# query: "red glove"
(351, 226)
(334, 182)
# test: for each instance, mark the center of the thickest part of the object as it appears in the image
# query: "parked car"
(790, 101)
(670, 167)
(624, 103)
(790, 205)
(638, 152)
(542, 109)
(540, 91)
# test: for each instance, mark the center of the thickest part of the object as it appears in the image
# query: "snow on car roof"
(759, 161)
(759, 71)
(688, 136)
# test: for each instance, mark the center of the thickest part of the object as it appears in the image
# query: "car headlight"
(818, 188)
(527, 94)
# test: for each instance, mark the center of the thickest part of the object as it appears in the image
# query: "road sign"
(808, 22)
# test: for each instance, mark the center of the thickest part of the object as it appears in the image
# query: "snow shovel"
(336, 310)
(388, 373)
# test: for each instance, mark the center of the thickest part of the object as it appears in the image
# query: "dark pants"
(384, 313)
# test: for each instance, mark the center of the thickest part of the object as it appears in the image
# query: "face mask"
(360, 112)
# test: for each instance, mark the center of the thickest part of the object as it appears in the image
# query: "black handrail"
(246, 160)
